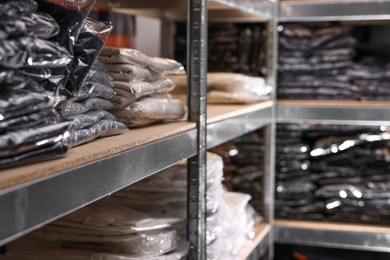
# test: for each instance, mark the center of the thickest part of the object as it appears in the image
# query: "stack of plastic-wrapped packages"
(104, 230)
(348, 175)
(243, 160)
(88, 89)
(31, 61)
(229, 218)
(372, 78)
(314, 62)
(141, 86)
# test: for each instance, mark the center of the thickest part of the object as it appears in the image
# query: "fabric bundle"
(229, 219)
(347, 178)
(243, 160)
(105, 230)
(314, 62)
(88, 110)
(141, 86)
(372, 78)
(31, 129)
(229, 88)
(232, 47)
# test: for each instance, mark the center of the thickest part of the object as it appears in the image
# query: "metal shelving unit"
(332, 10)
(327, 234)
(34, 195)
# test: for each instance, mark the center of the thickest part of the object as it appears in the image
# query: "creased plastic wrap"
(88, 45)
(39, 24)
(100, 129)
(156, 108)
(131, 73)
(113, 55)
(80, 107)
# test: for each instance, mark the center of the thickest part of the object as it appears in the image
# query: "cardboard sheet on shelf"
(261, 230)
(98, 149)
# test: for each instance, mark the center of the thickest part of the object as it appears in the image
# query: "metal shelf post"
(197, 76)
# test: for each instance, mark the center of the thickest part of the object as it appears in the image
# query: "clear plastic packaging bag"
(151, 109)
(32, 52)
(44, 153)
(131, 73)
(100, 129)
(80, 107)
(13, 10)
(89, 118)
(24, 140)
(113, 55)
(46, 116)
(88, 45)
(39, 24)
(127, 93)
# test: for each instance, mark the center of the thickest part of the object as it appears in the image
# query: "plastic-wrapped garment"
(131, 73)
(114, 55)
(214, 227)
(46, 116)
(74, 254)
(33, 52)
(80, 107)
(39, 24)
(13, 10)
(100, 129)
(108, 219)
(97, 84)
(296, 188)
(148, 243)
(88, 45)
(23, 101)
(151, 109)
(89, 118)
(315, 93)
(24, 140)
(127, 93)
(70, 22)
(44, 153)
(296, 31)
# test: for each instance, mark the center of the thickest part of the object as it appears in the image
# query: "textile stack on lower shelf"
(347, 178)
(314, 62)
(104, 230)
(142, 86)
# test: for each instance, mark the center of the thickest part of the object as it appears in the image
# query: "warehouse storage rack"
(325, 234)
(34, 195)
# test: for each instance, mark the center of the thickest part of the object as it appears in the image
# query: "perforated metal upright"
(197, 73)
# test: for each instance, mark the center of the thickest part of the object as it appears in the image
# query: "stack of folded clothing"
(30, 127)
(229, 88)
(142, 86)
(243, 160)
(348, 178)
(88, 109)
(232, 47)
(372, 78)
(105, 230)
(314, 62)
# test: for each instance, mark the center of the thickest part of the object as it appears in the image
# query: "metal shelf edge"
(339, 237)
(26, 207)
(338, 114)
(229, 128)
(301, 11)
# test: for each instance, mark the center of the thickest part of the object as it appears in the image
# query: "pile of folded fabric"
(243, 160)
(30, 127)
(348, 178)
(232, 47)
(314, 62)
(141, 86)
(372, 78)
(104, 230)
(229, 88)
